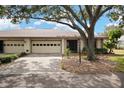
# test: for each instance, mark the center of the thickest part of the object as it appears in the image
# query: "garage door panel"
(46, 46)
(13, 46)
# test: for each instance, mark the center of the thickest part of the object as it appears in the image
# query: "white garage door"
(13, 46)
(46, 46)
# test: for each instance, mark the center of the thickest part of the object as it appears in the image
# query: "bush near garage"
(101, 51)
(97, 50)
(7, 58)
(67, 52)
(22, 54)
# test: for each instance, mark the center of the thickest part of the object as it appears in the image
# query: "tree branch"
(89, 10)
(53, 20)
(105, 10)
(96, 14)
(82, 15)
(75, 16)
(98, 9)
(82, 33)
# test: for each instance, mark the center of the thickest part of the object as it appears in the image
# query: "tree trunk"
(91, 46)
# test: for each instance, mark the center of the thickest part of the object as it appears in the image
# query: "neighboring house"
(121, 42)
(42, 41)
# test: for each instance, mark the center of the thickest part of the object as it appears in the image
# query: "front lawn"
(118, 57)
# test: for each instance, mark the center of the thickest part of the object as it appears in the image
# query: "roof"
(40, 33)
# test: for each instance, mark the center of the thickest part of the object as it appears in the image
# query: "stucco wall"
(98, 43)
(27, 45)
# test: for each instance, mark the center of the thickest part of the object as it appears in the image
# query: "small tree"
(113, 35)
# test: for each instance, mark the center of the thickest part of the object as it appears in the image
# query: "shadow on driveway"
(45, 72)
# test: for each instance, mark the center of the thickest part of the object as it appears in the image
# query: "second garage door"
(46, 46)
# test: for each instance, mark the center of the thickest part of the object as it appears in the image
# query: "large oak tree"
(81, 18)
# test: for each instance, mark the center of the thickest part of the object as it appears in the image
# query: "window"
(22, 44)
(7, 44)
(48, 44)
(37, 44)
(58, 44)
(4, 44)
(33, 44)
(40, 44)
(51, 44)
(44, 44)
(11, 44)
(54, 44)
(15, 45)
(18, 44)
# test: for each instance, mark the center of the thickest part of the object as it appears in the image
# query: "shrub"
(67, 52)
(84, 50)
(8, 58)
(62, 65)
(101, 51)
(22, 54)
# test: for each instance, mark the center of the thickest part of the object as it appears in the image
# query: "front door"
(1, 46)
(72, 45)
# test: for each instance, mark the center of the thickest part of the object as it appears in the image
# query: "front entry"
(1, 46)
(72, 45)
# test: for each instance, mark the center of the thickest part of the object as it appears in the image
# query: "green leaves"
(113, 35)
(117, 14)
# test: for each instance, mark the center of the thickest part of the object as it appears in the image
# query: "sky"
(5, 24)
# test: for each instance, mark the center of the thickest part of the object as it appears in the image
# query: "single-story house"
(121, 42)
(43, 41)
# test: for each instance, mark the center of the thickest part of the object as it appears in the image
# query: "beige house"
(42, 41)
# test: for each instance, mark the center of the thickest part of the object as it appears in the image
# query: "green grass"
(6, 55)
(119, 59)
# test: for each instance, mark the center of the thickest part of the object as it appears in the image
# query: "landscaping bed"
(100, 66)
(105, 63)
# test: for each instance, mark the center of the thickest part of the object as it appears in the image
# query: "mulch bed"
(100, 66)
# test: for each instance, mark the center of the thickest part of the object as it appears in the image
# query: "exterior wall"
(98, 43)
(82, 44)
(63, 45)
(27, 45)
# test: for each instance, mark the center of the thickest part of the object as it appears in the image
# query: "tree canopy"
(117, 14)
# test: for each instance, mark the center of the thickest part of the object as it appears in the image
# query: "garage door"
(13, 46)
(46, 46)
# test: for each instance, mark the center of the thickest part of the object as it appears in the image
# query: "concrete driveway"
(42, 70)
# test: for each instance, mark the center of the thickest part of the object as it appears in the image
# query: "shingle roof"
(40, 33)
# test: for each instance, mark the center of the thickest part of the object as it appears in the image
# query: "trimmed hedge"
(97, 51)
(8, 58)
(101, 51)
